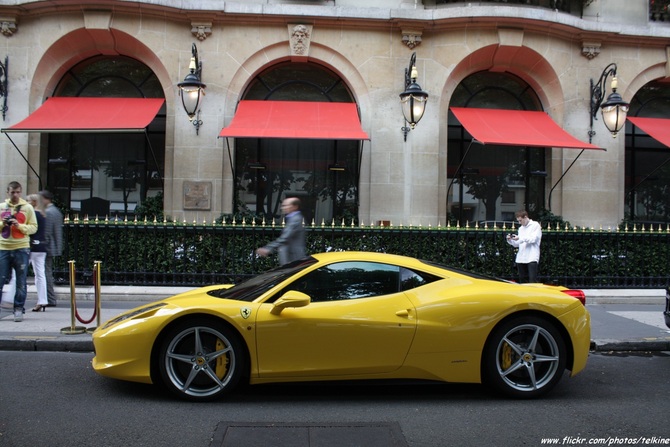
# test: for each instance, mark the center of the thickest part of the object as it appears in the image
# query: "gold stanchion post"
(72, 330)
(96, 273)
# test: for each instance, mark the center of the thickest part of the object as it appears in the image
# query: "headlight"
(133, 314)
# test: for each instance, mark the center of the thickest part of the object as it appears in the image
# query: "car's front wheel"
(524, 357)
(201, 360)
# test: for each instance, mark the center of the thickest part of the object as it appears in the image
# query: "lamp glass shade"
(190, 99)
(413, 103)
(614, 112)
(191, 94)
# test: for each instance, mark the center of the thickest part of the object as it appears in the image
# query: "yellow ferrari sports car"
(351, 316)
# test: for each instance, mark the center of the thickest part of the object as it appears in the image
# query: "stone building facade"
(537, 56)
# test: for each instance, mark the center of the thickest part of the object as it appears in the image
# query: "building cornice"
(455, 16)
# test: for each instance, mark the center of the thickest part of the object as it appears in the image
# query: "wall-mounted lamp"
(4, 91)
(413, 99)
(192, 90)
(614, 110)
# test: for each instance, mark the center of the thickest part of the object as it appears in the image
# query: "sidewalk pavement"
(621, 320)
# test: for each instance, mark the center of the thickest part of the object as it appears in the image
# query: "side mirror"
(292, 298)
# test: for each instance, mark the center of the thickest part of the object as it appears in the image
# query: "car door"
(358, 322)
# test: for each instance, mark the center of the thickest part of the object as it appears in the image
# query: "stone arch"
(79, 45)
(279, 52)
(329, 58)
(521, 61)
(652, 73)
(82, 44)
(525, 63)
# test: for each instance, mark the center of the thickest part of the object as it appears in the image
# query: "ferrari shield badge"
(245, 312)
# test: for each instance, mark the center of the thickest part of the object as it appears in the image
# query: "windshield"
(255, 286)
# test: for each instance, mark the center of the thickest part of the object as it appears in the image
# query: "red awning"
(84, 114)
(657, 128)
(516, 128)
(296, 119)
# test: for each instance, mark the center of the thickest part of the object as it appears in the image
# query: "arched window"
(324, 174)
(647, 160)
(115, 171)
(493, 181)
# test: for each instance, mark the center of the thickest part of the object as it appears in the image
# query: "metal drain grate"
(323, 434)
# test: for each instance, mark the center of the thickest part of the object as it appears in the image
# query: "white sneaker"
(18, 315)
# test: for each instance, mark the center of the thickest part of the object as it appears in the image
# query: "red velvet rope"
(95, 307)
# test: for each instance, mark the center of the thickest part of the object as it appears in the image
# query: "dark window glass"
(348, 280)
(410, 279)
(298, 82)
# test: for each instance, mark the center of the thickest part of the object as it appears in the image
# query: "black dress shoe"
(50, 305)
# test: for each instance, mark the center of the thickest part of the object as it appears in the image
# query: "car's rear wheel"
(200, 361)
(524, 357)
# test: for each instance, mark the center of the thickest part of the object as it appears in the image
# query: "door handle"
(403, 313)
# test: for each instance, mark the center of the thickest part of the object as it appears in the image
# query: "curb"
(45, 344)
(83, 343)
(654, 345)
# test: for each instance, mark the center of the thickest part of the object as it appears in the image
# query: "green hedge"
(146, 253)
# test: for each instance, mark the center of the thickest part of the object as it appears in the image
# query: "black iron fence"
(181, 254)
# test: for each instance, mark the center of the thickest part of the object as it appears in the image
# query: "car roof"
(370, 256)
(363, 256)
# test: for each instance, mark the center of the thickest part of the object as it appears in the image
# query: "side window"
(410, 279)
(348, 280)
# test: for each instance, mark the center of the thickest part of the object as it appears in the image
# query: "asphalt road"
(55, 399)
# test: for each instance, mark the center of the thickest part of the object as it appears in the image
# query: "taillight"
(576, 294)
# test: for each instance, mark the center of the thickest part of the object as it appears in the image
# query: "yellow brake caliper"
(221, 362)
(506, 357)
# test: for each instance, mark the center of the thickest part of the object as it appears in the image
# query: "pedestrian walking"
(53, 235)
(17, 223)
(291, 242)
(38, 252)
(528, 242)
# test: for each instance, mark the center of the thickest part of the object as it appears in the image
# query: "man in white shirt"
(528, 242)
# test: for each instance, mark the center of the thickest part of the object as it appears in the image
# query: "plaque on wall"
(197, 195)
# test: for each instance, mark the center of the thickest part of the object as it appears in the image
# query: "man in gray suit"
(54, 241)
(291, 242)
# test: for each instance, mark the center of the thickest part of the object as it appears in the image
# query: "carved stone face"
(300, 39)
(300, 33)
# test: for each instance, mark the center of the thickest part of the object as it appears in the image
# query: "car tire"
(201, 360)
(524, 357)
